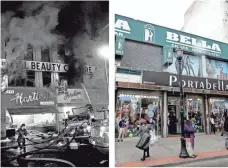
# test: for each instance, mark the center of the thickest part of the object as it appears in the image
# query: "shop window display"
(137, 109)
(218, 107)
(195, 113)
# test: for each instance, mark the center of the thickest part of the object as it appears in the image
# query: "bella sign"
(182, 39)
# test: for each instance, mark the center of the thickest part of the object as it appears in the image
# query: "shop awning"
(31, 110)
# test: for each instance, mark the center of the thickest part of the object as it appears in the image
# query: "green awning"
(31, 110)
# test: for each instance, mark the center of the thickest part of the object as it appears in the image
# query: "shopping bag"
(153, 138)
(144, 141)
(189, 147)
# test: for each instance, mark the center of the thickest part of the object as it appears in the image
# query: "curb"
(186, 161)
(174, 161)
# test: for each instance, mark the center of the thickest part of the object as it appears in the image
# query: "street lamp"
(183, 152)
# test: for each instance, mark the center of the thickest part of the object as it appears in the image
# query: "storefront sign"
(90, 69)
(39, 66)
(167, 56)
(132, 29)
(72, 96)
(119, 48)
(167, 79)
(46, 66)
(31, 97)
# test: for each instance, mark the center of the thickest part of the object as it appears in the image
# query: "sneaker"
(121, 140)
(118, 140)
(142, 159)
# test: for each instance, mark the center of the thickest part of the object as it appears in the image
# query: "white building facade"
(208, 18)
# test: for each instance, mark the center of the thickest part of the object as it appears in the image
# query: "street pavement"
(219, 162)
(166, 147)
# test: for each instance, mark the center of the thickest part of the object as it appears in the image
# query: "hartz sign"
(193, 42)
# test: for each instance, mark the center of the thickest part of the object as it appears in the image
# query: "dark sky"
(71, 19)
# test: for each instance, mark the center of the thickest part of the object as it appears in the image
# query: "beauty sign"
(38, 66)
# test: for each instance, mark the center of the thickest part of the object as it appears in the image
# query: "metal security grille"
(142, 56)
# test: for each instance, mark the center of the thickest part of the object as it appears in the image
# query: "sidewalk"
(167, 150)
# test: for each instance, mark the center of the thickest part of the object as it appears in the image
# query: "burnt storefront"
(34, 107)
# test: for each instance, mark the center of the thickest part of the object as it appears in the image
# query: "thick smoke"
(35, 28)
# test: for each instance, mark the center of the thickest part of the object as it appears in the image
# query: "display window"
(195, 112)
(218, 107)
(138, 108)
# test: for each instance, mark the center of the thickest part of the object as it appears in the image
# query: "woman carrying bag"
(189, 137)
(144, 141)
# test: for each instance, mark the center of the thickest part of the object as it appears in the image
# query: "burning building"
(44, 43)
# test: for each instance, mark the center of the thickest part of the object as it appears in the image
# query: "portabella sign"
(199, 83)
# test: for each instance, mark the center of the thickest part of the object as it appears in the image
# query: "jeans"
(213, 129)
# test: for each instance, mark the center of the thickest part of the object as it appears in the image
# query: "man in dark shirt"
(22, 133)
(122, 125)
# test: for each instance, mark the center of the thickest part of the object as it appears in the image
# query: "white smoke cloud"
(35, 28)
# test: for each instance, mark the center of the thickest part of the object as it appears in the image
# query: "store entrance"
(173, 116)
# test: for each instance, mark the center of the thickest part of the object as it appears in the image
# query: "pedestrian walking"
(122, 126)
(22, 133)
(222, 124)
(212, 121)
(144, 141)
(189, 134)
(225, 130)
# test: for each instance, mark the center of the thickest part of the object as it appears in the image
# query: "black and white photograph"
(54, 83)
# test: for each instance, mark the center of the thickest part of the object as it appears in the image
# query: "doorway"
(174, 116)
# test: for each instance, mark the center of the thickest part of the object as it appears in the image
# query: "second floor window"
(28, 81)
(45, 54)
(29, 55)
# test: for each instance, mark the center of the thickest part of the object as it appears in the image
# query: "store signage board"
(89, 70)
(167, 56)
(30, 97)
(136, 30)
(172, 80)
(119, 46)
(72, 96)
(40, 66)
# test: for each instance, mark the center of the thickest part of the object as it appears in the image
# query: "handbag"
(144, 141)
(153, 138)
